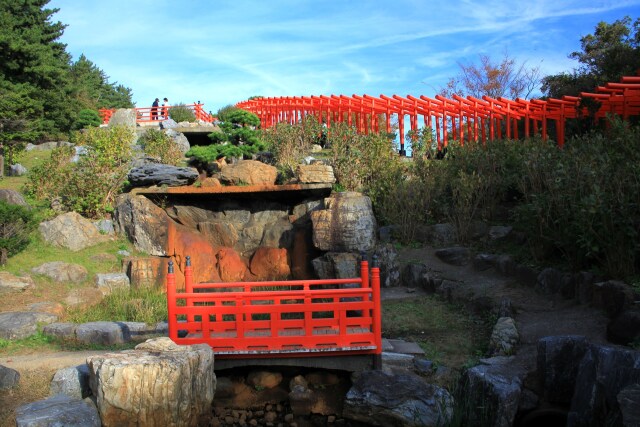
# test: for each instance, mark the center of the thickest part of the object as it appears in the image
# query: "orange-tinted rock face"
(231, 267)
(300, 255)
(183, 242)
(270, 264)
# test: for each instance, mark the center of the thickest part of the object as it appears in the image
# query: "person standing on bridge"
(165, 108)
(154, 109)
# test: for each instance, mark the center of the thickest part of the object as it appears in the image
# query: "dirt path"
(55, 360)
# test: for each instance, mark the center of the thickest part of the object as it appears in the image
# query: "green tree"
(92, 90)
(612, 51)
(34, 64)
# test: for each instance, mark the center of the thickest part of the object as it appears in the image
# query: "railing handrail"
(157, 114)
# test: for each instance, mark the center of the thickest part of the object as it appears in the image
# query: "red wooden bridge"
(157, 114)
(298, 318)
(461, 119)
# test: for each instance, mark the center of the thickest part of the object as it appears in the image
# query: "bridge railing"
(278, 318)
(157, 114)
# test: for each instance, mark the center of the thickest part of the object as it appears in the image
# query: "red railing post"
(377, 307)
(188, 285)
(171, 303)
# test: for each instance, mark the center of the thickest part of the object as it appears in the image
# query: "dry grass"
(33, 386)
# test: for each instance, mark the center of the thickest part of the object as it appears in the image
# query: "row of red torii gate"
(461, 119)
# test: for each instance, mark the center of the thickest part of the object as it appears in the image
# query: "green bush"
(182, 113)
(87, 118)
(16, 224)
(291, 143)
(158, 144)
(90, 185)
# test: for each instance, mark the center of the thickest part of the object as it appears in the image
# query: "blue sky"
(222, 52)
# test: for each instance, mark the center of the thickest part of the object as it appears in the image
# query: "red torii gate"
(470, 118)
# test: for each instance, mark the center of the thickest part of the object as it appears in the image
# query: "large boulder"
(337, 265)
(102, 333)
(12, 197)
(496, 387)
(248, 172)
(15, 325)
(71, 231)
(146, 272)
(389, 267)
(381, 399)
(59, 410)
(179, 139)
(504, 337)
(558, 363)
(124, 117)
(231, 266)
(144, 223)
(158, 384)
(603, 387)
(161, 174)
(346, 224)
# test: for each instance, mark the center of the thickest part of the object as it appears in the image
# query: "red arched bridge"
(157, 114)
(296, 318)
(459, 118)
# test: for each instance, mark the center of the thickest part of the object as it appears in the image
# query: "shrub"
(182, 113)
(158, 144)
(16, 224)
(87, 118)
(290, 143)
(90, 185)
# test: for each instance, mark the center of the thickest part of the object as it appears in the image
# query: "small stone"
(411, 290)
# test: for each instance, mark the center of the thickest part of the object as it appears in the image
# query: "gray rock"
(491, 393)
(278, 235)
(415, 276)
(625, 329)
(80, 151)
(551, 281)
(9, 282)
(144, 223)
(105, 226)
(389, 267)
(346, 224)
(15, 325)
(58, 411)
(613, 297)
(337, 265)
(12, 197)
(62, 272)
(17, 170)
(102, 333)
(124, 117)
(443, 234)
(558, 362)
(161, 175)
(381, 399)
(168, 124)
(506, 265)
(301, 212)
(629, 401)
(140, 331)
(47, 145)
(109, 282)
(482, 262)
(71, 231)
(72, 382)
(179, 139)
(455, 255)
(9, 378)
(154, 387)
(499, 231)
(61, 330)
(504, 337)
(603, 373)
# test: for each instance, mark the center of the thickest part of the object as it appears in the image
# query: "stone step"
(401, 346)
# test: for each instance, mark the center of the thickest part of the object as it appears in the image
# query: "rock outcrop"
(158, 384)
(71, 231)
(346, 224)
(248, 172)
(59, 410)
